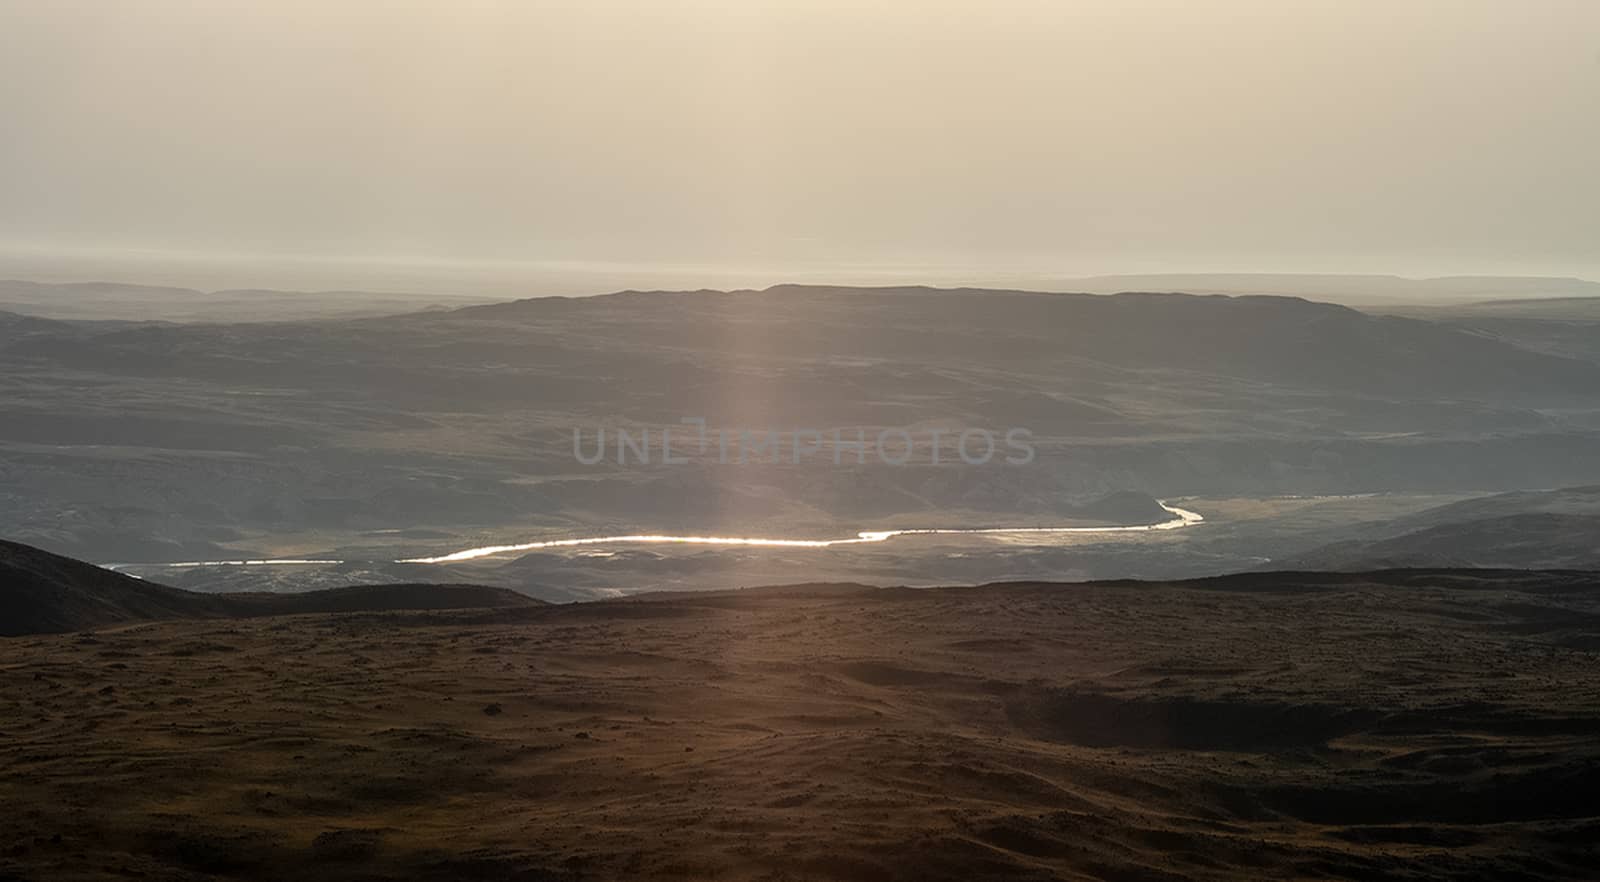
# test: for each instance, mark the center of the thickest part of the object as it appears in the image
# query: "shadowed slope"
(42, 593)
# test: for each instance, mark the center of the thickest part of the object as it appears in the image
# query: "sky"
(796, 137)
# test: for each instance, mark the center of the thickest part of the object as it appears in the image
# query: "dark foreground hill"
(1401, 725)
(46, 593)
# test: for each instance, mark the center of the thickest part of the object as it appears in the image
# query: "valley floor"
(1403, 726)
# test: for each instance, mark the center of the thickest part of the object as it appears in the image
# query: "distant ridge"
(115, 301)
(44, 593)
(1348, 288)
(1274, 338)
(1540, 301)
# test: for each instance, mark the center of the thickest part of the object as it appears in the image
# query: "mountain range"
(394, 437)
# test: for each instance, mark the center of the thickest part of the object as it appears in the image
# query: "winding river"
(1180, 518)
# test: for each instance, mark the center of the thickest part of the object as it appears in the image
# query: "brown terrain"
(1401, 725)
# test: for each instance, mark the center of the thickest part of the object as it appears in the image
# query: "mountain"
(1525, 541)
(1564, 326)
(1549, 529)
(44, 593)
(1565, 500)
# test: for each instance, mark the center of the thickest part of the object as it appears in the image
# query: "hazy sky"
(1413, 136)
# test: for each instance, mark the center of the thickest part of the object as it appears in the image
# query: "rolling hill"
(1538, 529)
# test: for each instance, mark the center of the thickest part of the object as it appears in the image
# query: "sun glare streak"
(1182, 518)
